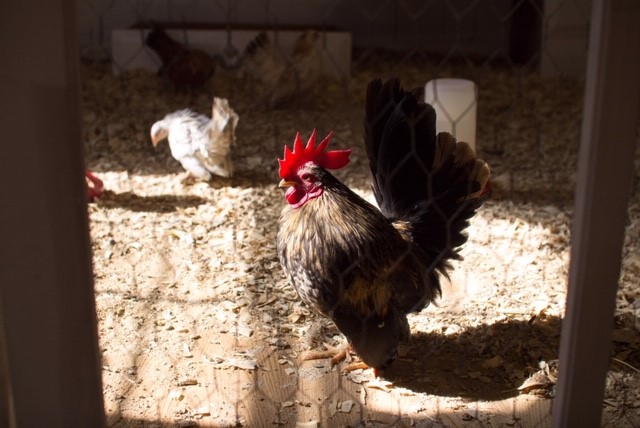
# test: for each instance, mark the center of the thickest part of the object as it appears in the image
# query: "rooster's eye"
(307, 177)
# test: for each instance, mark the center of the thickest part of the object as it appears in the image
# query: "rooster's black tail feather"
(430, 183)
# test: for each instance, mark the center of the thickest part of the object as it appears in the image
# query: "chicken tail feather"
(428, 182)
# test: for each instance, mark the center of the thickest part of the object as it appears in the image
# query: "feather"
(428, 181)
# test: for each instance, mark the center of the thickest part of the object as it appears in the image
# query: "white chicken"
(202, 145)
(282, 76)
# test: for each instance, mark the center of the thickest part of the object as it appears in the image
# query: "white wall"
(433, 26)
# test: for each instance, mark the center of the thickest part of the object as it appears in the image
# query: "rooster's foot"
(335, 353)
(338, 354)
(355, 366)
(361, 365)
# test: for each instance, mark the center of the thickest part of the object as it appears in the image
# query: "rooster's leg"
(355, 366)
(336, 353)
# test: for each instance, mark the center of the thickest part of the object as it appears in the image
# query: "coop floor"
(199, 327)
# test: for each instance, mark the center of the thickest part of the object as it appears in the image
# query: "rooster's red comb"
(293, 160)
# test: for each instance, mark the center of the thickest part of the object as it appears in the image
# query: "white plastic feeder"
(455, 102)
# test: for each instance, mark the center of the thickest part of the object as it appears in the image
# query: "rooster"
(186, 68)
(367, 268)
(282, 77)
(202, 145)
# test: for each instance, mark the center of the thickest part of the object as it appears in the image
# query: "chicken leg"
(337, 354)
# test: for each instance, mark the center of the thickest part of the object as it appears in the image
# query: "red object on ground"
(94, 184)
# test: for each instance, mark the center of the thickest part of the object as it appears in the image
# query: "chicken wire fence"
(509, 48)
(198, 324)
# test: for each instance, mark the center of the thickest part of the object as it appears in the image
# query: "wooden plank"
(7, 414)
(46, 279)
(605, 169)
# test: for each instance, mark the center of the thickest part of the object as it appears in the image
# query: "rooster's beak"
(286, 183)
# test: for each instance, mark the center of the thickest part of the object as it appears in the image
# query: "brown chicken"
(184, 67)
(282, 77)
(367, 268)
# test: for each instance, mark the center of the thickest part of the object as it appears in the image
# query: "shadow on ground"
(160, 203)
(487, 362)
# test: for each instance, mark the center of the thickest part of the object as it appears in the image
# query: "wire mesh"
(198, 323)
